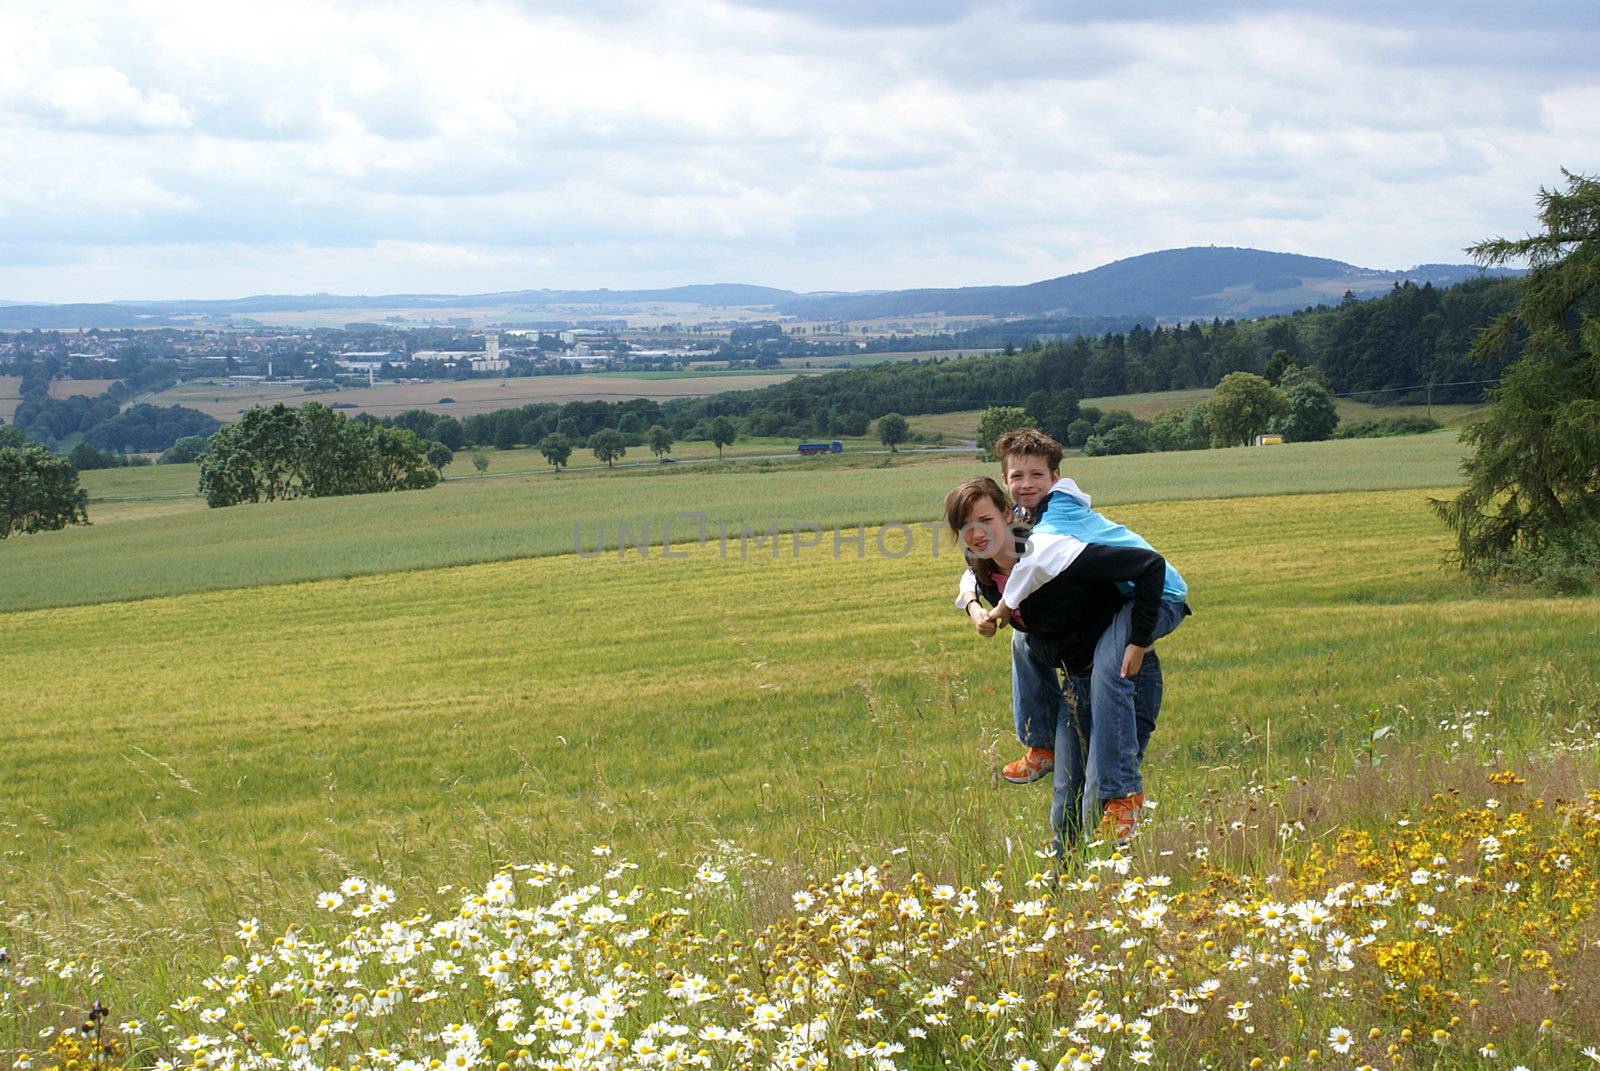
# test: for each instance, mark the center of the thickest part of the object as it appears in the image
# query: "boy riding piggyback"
(1064, 523)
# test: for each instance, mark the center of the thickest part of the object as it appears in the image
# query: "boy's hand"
(980, 618)
(1000, 615)
(1132, 659)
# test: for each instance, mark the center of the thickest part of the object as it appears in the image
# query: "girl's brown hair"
(959, 502)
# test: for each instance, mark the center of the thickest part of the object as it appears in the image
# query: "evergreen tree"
(1532, 502)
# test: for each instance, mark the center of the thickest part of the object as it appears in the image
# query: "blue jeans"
(1117, 743)
(1076, 797)
(1045, 716)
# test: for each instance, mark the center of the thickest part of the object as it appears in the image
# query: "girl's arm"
(1048, 557)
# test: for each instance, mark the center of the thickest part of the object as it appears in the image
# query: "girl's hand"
(980, 618)
(1000, 615)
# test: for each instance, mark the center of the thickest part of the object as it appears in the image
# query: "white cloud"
(103, 97)
(202, 149)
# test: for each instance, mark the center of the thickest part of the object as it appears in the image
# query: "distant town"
(359, 354)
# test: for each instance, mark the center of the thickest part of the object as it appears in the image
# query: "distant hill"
(737, 294)
(1199, 282)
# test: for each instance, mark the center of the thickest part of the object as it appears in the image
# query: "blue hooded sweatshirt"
(1066, 512)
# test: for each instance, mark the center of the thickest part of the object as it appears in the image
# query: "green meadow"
(213, 716)
(812, 704)
(167, 548)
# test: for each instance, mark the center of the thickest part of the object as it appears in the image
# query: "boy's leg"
(1146, 710)
(1036, 709)
(1122, 730)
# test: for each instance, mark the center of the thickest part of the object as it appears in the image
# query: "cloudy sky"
(210, 149)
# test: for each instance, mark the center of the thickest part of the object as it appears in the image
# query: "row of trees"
(1298, 407)
(1242, 407)
(311, 451)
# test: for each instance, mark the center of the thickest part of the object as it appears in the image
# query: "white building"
(490, 360)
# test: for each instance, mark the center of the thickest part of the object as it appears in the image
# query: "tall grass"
(178, 764)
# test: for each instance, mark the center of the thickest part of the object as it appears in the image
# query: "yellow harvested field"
(471, 396)
(66, 388)
(11, 386)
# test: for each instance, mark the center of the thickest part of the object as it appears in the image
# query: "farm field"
(227, 755)
(471, 395)
(59, 388)
(155, 490)
(467, 520)
(860, 360)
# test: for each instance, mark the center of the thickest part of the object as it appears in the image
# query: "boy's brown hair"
(1029, 441)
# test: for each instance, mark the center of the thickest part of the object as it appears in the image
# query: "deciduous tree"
(608, 445)
(893, 430)
(660, 440)
(555, 447)
(723, 433)
(995, 422)
(313, 451)
(1242, 408)
(1311, 416)
(39, 491)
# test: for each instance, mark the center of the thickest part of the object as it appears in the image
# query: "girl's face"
(986, 530)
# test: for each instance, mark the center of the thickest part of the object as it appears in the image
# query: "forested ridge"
(1410, 345)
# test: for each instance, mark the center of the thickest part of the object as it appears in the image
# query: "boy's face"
(1028, 478)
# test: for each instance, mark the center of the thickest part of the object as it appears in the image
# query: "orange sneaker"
(1032, 766)
(1120, 817)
